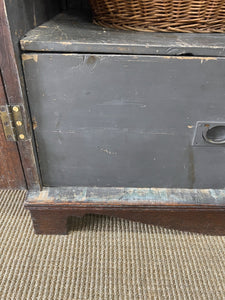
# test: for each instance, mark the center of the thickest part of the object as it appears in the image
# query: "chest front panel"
(125, 120)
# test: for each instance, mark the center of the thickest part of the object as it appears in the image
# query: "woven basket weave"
(161, 15)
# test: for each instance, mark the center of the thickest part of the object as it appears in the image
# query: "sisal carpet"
(105, 258)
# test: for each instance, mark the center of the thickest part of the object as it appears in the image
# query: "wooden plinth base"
(200, 211)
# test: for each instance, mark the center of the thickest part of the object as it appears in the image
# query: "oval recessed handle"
(215, 135)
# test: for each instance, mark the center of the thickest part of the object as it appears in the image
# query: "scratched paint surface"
(75, 33)
(125, 120)
(127, 196)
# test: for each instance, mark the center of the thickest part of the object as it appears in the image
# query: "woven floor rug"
(105, 258)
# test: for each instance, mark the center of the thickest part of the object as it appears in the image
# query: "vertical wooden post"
(11, 172)
(14, 96)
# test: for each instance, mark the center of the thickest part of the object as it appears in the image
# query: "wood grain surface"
(201, 211)
(11, 173)
(14, 95)
(211, 222)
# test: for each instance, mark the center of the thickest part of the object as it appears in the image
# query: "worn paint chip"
(65, 43)
(44, 196)
(202, 59)
(108, 151)
(33, 57)
(34, 123)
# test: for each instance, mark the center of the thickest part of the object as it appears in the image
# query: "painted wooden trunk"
(123, 120)
(125, 124)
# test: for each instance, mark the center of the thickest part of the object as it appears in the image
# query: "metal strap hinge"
(13, 122)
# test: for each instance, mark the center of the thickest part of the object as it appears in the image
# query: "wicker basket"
(161, 15)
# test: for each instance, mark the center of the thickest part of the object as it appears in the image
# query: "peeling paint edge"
(33, 57)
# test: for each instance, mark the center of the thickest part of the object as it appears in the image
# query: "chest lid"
(69, 32)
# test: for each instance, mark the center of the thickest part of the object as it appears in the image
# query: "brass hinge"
(13, 122)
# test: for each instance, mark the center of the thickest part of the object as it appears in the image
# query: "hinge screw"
(15, 108)
(19, 123)
(22, 136)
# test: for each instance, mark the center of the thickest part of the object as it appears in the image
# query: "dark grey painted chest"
(120, 109)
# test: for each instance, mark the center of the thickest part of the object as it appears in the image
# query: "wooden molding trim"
(201, 211)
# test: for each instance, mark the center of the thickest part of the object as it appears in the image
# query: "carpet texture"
(105, 258)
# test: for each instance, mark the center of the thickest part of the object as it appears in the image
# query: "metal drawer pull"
(215, 135)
